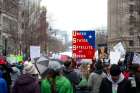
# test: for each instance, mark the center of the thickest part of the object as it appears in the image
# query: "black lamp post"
(5, 49)
(5, 36)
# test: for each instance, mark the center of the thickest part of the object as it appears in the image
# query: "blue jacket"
(3, 84)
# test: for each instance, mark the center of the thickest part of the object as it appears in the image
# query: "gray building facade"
(17, 17)
(124, 24)
(8, 24)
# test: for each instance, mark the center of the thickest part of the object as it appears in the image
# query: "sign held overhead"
(83, 44)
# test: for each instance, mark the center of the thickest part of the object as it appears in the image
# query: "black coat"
(123, 87)
(6, 69)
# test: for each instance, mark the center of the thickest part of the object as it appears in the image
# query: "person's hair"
(115, 70)
(99, 65)
(54, 73)
(67, 63)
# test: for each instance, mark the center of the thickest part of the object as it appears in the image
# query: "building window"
(131, 8)
(22, 14)
(131, 33)
(131, 29)
(131, 43)
(139, 39)
(22, 26)
(132, 20)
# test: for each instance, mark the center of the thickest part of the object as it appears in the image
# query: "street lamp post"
(20, 47)
(5, 43)
(5, 48)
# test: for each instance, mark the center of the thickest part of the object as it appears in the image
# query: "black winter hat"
(115, 70)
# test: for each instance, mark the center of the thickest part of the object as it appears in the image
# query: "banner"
(34, 51)
(119, 47)
(136, 58)
(83, 44)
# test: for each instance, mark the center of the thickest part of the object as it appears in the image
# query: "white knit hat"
(29, 68)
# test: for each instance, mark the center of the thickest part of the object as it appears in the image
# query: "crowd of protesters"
(69, 77)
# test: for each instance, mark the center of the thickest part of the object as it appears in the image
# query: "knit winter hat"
(54, 65)
(115, 70)
(29, 68)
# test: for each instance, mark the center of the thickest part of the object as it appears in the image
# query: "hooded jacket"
(73, 76)
(95, 80)
(3, 84)
(6, 69)
(137, 77)
(26, 83)
(123, 85)
(63, 85)
(15, 74)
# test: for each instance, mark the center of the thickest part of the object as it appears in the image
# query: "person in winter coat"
(55, 82)
(15, 74)
(84, 71)
(96, 78)
(116, 83)
(6, 70)
(28, 81)
(3, 84)
(137, 78)
(71, 74)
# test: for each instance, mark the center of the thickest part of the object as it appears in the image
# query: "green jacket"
(63, 85)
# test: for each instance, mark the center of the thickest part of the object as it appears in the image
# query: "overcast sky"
(71, 15)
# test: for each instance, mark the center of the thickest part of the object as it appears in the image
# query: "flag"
(83, 44)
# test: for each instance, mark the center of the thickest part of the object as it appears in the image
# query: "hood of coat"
(121, 78)
(26, 79)
(99, 72)
(67, 71)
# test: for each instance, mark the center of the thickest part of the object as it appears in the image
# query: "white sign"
(119, 47)
(66, 53)
(96, 54)
(34, 51)
(114, 57)
(136, 58)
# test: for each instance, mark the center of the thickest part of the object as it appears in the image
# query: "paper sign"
(119, 47)
(34, 51)
(96, 54)
(136, 58)
(114, 57)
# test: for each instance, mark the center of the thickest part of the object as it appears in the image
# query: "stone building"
(32, 24)
(124, 24)
(28, 16)
(18, 22)
(8, 25)
(101, 36)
